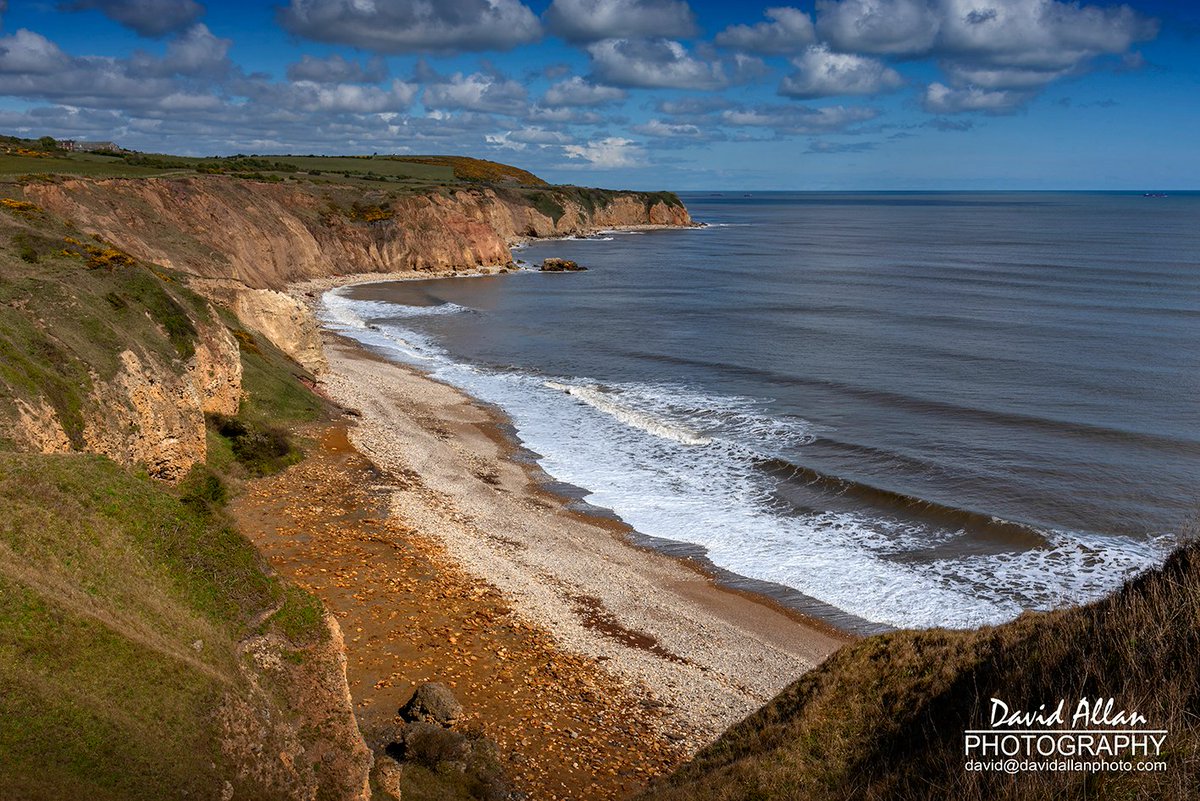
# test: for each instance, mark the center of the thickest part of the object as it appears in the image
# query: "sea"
(900, 409)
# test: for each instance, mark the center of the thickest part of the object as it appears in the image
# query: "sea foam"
(681, 464)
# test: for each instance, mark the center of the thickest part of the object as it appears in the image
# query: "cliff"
(242, 242)
(237, 243)
(268, 235)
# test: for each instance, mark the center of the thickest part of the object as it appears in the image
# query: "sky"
(642, 94)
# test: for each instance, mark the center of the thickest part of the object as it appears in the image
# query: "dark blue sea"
(919, 409)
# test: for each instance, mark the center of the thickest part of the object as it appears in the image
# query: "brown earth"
(564, 726)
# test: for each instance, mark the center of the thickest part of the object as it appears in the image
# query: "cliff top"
(27, 158)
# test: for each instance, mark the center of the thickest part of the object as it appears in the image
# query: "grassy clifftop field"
(33, 157)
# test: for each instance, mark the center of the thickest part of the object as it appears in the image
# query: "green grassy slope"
(106, 581)
(884, 718)
(124, 600)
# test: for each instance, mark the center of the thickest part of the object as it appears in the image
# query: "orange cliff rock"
(244, 241)
(268, 235)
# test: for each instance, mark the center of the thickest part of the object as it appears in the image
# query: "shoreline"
(667, 628)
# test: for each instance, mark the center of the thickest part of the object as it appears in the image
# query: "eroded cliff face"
(243, 242)
(150, 414)
(268, 235)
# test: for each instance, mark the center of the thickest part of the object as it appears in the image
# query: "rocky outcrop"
(270, 746)
(561, 266)
(278, 316)
(151, 413)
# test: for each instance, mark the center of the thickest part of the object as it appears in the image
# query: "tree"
(48, 143)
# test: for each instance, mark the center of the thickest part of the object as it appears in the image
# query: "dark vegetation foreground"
(884, 718)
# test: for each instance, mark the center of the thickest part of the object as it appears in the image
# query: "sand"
(664, 632)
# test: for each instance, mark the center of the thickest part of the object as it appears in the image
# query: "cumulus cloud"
(478, 91)
(351, 98)
(31, 66)
(198, 52)
(409, 26)
(789, 30)
(337, 69)
(608, 153)
(563, 115)
(791, 120)
(1018, 42)
(668, 130)
(942, 99)
(879, 26)
(593, 20)
(578, 92)
(146, 17)
(823, 73)
(996, 53)
(522, 138)
(663, 63)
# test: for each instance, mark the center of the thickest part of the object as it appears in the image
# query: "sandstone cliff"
(238, 243)
(268, 235)
(244, 241)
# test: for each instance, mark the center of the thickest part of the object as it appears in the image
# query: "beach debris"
(561, 266)
(432, 702)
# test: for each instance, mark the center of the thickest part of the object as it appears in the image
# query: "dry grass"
(884, 719)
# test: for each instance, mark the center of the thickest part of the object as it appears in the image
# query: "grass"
(106, 582)
(884, 718)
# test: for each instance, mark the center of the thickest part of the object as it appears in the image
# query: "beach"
(649, 657)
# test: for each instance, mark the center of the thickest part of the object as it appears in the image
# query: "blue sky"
(831, 94)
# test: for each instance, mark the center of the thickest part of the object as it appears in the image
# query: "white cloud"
(607, 153)
(663, 63)
(995, 53)
(337, 69)
(879, 26)
(667, 130)
(791, 120)
(578, 92)
(352, 98)
(476, 92)
(29, 53)
(504, 141)
(593, 20)
(789, 30)
(561, 115)
(522, 138)
(198, 52)
(942, 99)
(822, 73)
(410, 26)
(1040, 35)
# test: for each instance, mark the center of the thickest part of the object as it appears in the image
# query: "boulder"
(561, 266)
(429, 744)
(432, 702)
